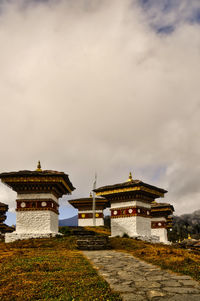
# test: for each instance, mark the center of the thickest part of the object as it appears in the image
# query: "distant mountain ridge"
(190, 218)
(71, 222)
(185, 224)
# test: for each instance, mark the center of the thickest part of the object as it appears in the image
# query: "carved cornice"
(90, 215)
(39, 204)
(130, 212)
(37, 209)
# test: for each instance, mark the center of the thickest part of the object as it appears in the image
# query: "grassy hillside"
(49, 269)
(53, 269)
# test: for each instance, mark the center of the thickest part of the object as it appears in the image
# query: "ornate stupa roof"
(25, 181)
(2, 205)
(161, 209)
(3, 208)
(130, 186)
(86, 203)
(5, 228)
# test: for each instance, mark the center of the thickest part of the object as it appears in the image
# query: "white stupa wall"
(89, 222)
(84, 222)
(34, 223)
(44, 221)
(132, 225)
(37, 196)
(10, 237)
(160, 232)
(125, 204)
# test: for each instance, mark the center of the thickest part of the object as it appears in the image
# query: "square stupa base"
(89, 222)
(162, 234)
(158, 229)
(10, 237)
(132, 226)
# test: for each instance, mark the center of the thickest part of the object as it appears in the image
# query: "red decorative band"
(90, 215)
(158, 225)
(39, 204)
(38, 209)
(130, 211)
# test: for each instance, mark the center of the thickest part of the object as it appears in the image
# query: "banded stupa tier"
(3, 210)
(3, 227)
(37, 201)
(85, 212)
(161, 220)
(131, 206)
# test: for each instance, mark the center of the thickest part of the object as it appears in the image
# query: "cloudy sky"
(106, 86)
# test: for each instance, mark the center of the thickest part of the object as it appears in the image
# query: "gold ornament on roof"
(189, 236)
(39, 167)
(90, 194)
(130, 177)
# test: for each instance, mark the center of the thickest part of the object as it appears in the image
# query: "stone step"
(82, 232)
(93, 243)
(93, 248)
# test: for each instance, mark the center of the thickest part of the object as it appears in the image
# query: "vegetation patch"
(99, 230)
(49, 269)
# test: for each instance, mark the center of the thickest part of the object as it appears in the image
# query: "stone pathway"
(137, 280)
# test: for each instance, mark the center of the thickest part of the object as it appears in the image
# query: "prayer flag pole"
(93, 204)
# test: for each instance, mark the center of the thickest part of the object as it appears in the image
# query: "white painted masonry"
(10, 237)
(44, 221)
(34, 196)
(160, 232)
(83, 222)
(34, 223)
(132, 226)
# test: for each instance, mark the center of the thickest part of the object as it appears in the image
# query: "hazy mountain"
(189, 219)
(72, 221)
(186, 224)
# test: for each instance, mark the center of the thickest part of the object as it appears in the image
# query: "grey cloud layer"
(171, 12)
(87, 86)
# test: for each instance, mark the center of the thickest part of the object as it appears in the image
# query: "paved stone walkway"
(137, 280)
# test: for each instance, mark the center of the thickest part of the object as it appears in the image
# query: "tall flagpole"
(93, 204)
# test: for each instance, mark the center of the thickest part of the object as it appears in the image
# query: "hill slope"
(70, 222)
(186, 224)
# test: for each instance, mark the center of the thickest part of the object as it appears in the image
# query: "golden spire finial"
(39, 167)
(90, 194)
(130, 177)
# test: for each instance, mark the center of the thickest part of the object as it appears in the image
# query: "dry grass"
(99, 230)
(167, 257)
(49, 269)
(53, 269)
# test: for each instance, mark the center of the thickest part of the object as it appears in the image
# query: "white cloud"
(88, 88)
